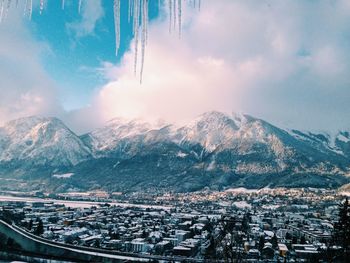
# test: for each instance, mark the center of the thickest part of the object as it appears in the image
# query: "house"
(305, 251)
(182, 251)
(283, 250)
(138, 245)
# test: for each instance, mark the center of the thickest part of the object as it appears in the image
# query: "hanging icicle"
(8, 7)
(137, 5)
(63, 4)
(2, 3)
(30, 9)
(179, 13)
(130, 9)
(41, 6)
(117, 25)
(79, 6)
(174, 14)
(170, 14)
(144, 23)
(25, 8)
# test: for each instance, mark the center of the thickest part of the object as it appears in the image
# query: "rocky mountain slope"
(215, 150)
(37, 141)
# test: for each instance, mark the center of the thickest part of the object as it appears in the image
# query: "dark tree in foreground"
(342, 228)
(261, 243)
(10, 217)
(30, 224)
(40, 228)
(274, 241)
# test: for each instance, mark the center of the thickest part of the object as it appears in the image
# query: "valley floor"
(265, 224)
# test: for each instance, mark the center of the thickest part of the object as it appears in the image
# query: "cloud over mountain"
(285, 61)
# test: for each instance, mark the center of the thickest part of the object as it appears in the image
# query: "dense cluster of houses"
(251, 225)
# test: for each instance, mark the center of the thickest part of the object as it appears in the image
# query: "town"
(279, 225)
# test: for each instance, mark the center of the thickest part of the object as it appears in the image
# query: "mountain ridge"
(215, 150)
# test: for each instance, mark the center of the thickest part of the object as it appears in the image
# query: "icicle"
(30, 9)
(136, 26)
(135, 18)
(41, 6)
(199, 5)
(117, 25)
(2, 10)
(25, 7)
(174, 13)
(79, 6)
(170, 14)
(7, 8)
(130, 9)
(16, 3)
(179, 13)
(63, 4)
(144, 22)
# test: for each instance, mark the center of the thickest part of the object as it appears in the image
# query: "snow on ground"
(342, 138)
(181, 155)
(240, 190)
(242, 204)
(271, 207)
(63, 176)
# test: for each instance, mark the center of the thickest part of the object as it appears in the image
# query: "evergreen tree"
(342, 227)
(288, 236)
(97, 243)
(261, 243)
(40, 228)
(30, 225)
(245, 223)
(274, 241)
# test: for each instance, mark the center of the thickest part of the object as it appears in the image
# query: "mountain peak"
(41, 140)
(31, 121)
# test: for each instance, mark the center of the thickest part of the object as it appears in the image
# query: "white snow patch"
(211, 166)
(342, 138)
(242, 204)
(241, 190)
(181, 154)
(271, 207)
(63, 176)
(336, 151)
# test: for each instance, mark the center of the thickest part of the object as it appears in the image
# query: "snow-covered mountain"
(41, 141)
(117, 134)
(342, 142)
(214, 150)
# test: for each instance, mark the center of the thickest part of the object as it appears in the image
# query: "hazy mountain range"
(214, 150)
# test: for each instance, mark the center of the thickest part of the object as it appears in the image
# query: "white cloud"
(25, 87)
(284, 61)
(271, 59)
(92, 12)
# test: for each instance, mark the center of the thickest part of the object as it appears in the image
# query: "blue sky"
(287, 62)
(76, 55)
